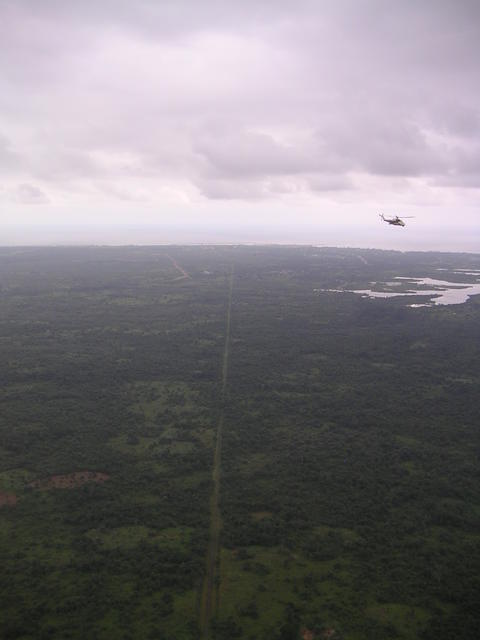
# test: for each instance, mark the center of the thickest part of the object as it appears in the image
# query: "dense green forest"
(209, 442)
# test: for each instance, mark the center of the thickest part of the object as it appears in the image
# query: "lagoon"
(442, 292)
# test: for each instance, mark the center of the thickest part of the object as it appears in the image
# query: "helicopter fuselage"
(396, 222)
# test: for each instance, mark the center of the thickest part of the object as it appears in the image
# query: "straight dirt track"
(208, 593)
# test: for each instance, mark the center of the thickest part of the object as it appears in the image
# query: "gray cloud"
(9, 160)
(248, 153)
(334, 182)
(30, 194)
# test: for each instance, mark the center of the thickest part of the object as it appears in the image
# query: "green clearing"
(129, 537)
(258, 583)
(405, 621)
(155, 396)
(15, 480)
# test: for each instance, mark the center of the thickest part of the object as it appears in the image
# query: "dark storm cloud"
(239, 100)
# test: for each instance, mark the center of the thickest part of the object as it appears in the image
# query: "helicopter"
(396, 221)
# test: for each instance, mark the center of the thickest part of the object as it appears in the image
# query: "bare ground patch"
(8, 499)
(261, 515)
(70, 480)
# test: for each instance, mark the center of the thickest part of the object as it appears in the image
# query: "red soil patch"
(7, 499)
(70, 480)
(328, 633)
(307, 634)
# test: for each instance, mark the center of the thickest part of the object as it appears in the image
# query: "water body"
(442, 292)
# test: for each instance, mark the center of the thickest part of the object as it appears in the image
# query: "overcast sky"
(260, 115)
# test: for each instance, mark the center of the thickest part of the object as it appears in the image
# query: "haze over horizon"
(148, 235)
(286, 122)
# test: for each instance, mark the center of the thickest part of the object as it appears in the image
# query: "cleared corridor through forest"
(208, 592)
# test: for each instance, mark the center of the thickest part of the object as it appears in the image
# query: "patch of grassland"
(181, 447)
(128, 537)
(253, 463)
(383, 365)
(14, 390)
(185, 607)
(15, 479)
(205, 436)
(347, 535)
(138, 446)
(111, 625)
(192, 480)
(155, 396)
(257, 583)
(410, 467)
(409, 441)
(406, 621)
(129, 301)
(120, 537)
(35, 548)
(261, 515)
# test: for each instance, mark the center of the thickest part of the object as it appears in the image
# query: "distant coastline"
(442, 240)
